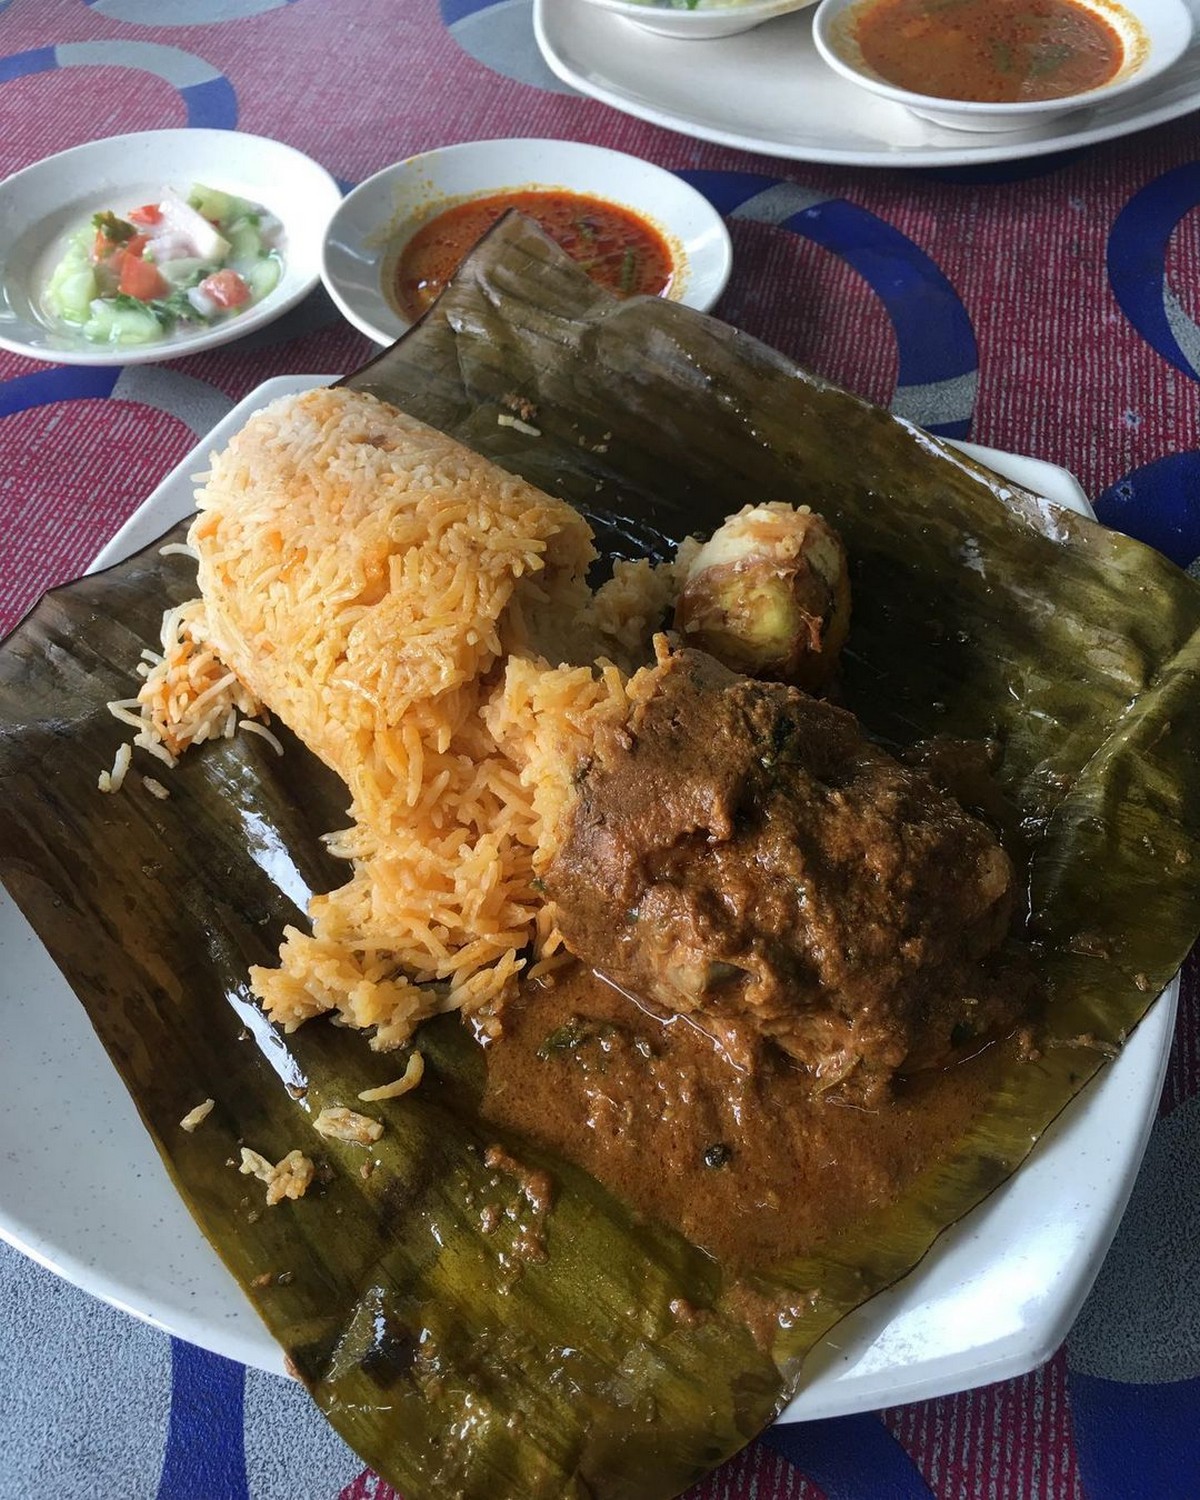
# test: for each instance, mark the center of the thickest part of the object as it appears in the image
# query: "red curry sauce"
(988, 51)
(615, 246)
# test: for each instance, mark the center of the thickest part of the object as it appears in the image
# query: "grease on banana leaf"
(980, 612)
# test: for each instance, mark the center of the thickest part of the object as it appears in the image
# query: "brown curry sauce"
(747, 1164)
(714, 1112)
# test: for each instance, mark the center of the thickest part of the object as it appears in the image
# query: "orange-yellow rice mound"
(419, 618)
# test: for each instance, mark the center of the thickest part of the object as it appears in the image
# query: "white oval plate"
(702, 22)
(42, 205)
(83, 1191)
(767, 90)
(376, 220)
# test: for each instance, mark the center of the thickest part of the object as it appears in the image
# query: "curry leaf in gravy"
(570, 1036)
(1048, 59)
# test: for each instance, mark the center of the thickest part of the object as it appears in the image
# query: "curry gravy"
(745, 1164)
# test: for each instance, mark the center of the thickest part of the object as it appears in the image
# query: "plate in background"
(768, 91)
(700, 20)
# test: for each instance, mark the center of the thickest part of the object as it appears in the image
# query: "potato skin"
(769, 595)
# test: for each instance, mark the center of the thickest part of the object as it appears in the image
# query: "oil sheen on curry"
(616, 247)
(797, 961)
(988, 51)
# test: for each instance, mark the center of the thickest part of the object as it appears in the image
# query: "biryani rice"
(421, 620)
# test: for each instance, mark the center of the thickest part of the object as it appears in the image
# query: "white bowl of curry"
(974, 65)
(637, 228)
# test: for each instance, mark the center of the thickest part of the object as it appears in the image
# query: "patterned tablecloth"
(1050, 307)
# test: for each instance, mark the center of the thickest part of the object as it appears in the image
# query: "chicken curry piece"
(740, 853)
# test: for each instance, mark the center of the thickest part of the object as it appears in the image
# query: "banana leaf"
(981, 612)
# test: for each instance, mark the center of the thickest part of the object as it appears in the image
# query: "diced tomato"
(226, 288)
(141, 279)
(149, 213)
(104, 249)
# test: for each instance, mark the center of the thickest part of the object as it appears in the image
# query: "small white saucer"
(377, 219)
(42, 205)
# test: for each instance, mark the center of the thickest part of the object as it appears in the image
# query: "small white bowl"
(707, 19)
(43, 205)
(374, 223)
(1154, 34)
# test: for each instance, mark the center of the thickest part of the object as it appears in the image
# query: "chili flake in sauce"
(617, 248)
(988, 51)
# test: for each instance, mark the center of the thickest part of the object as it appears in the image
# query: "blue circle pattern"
(939, 360)
(1136, 1442)
(206, 1449)
(454, 11)
(1137, 253)
(59, 383)
(1158, 503)
(208, 95)
(849, 1458)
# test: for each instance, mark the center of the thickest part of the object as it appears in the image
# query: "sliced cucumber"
(212, 203)
(86, 295)
(186, 271)
(245, 242)
(121, 325)
(71, 293)
(72, 284)
(262, 277)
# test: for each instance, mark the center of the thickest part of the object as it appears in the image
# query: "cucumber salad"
(179, 264)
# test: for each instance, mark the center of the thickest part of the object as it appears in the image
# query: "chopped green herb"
(628, 270)
(1049, 59)
(574, 1034)
(117, 231)
(567, 1037)
(168, 310)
